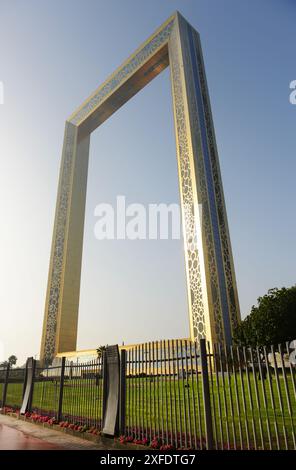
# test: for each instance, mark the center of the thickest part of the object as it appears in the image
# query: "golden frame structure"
(211, 286)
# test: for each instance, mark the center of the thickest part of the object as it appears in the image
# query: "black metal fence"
(164, 394)
(11, 386)
(253, 398)
(188, 396)
(176, 393)
(69, 391)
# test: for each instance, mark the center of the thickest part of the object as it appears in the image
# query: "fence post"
(122, 391)
(60, 407)
(25, 379)
(105, 386)
(111, 391)
(206, 395)
(5, 386)
(32, 385)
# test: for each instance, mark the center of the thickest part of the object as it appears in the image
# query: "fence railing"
(176, 392)
(69, 391)
(11, 386)
(190, 396)
(253, 398)
(164, 393)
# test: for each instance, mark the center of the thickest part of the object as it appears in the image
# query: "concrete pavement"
(16, 434)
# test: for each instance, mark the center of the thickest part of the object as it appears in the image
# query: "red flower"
(156, 443)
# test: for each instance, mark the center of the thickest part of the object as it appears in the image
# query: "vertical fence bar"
(128, 393)
(5, 386)
(156, 390)
(77, 390)
(293, 384)
(217, 368)
(97, 391)
(291, 370)
(131, 423)
(228, 375)
(250, 397)
(131, 391)
(105, 388)
(146, 380)
(279, 395)
(69, 392)
(173, 396)
(166, 406)
(88, 405)
(135, 392)
(43, 388)
(154, 395)
(196, 356)
(138, 403)
(160, 385)
(84, 404)
(87, 393)
(85, 408)
(257, 398)
(206, 394)
(75, 393)
(183, 373)
(97, 388)
(243, 398)
(237, 398)
(150, 396)
(94, 382)
(221, 364)
(179, 402)
(122, 393)
(60, 406)
(32, 387)
(25, 380)
(262, 379)
(188, 395)
(143, 391)
(134, 400)
(212, 391)
(272, 398)
(192, 396)
(81, 391)
(46, 390)
(287, 394)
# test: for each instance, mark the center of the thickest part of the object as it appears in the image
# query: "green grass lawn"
(174, 406)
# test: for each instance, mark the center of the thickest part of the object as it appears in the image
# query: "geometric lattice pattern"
(212, 293)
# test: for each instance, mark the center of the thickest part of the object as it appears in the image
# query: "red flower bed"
(156, 442)
(38, 418)
(9, 409)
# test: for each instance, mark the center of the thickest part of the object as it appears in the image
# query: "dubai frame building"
(211, 286)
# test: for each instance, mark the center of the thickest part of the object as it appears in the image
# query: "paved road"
(16, 434)
(12, 439)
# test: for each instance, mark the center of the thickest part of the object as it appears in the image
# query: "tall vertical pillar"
(62, 298)
(212, 292)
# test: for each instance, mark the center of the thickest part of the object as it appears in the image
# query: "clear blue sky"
(53, 54)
